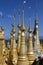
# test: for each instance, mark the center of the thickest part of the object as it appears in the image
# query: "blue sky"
(7, 8)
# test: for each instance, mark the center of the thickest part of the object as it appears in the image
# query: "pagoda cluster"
(23, 52)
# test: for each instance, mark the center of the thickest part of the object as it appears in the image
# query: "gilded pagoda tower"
(2, 45)
(13, 57)
(19, 33)
(30, 52)
(37, 35)
(22, 58)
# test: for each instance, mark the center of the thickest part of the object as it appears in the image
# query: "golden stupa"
(19, 53)
(37, 35)
(13, 57)
(19, 33)
(31, 54)
(22, 58)
(2, 45)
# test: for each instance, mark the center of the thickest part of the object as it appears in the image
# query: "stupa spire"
(4, 48)
(13, 51)
(23, 59)
(36, 33)
(13, 24)
(2, 22)
(19, 17)
(22, 26)
(37, 36)
(19, 33)
(31, 55)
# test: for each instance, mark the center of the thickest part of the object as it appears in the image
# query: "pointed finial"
(23, 13)
(14, 18)
(30, 30)
(29, 22)
(23, 4)
(36, 20)
(13, 24)
(36, 14)
(36, 11)
(29, 17)
(19, 19)
(23, 27)
(2, 20)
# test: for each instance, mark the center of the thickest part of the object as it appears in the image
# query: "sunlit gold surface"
(13, 50)
(22, 58)
(2, 47)
(31, 55)
(19, 38)
(37, 37)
